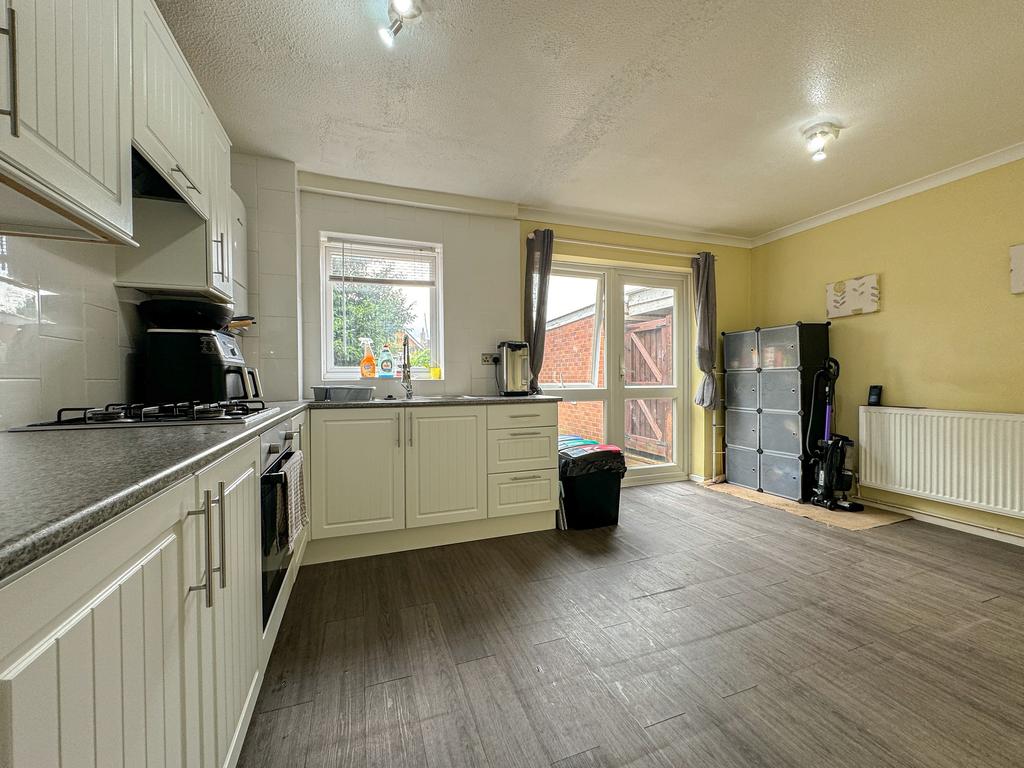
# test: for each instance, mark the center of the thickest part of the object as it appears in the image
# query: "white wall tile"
(276, 211)
(278, 296)
(101, 393)
(101, 343)
(63, 381)
(20, 402)
(277, 253)
(279, 338)
(243, 178)
(61, 298)
(272, 173)
(19, 330)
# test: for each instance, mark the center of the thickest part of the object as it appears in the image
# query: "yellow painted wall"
(949, 334)
(732, 272)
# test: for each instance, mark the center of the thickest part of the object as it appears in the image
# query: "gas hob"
(163, 415)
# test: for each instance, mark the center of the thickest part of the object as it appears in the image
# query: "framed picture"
(856, 296)
(1017, 268)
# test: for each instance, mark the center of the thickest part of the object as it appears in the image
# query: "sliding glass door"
(614, 352)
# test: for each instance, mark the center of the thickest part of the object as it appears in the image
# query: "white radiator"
(960, 457)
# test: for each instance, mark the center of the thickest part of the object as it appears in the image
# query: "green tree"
(376, 312)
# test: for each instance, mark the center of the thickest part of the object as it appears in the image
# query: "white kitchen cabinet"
(522, 415)
(222, 622)
(446, 465)
(521, 493)
(358, 467)
(239, 255)
(171, 120)
(91, 642)
(219, 263)
(65, 153)
(521, 449)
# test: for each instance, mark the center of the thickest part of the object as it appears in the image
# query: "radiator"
(966, 458)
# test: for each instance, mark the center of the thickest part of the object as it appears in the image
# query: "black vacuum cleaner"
(832, 480)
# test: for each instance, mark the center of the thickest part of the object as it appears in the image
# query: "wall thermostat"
(875, 394)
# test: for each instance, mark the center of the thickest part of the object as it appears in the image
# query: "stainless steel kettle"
(514, 368)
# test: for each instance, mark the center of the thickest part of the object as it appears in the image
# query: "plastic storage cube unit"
(591, 479)
(741, 389)
(741, 467)
(741, 429)
(740, 351)
(782, 433)
(792, 346)
(783, 476)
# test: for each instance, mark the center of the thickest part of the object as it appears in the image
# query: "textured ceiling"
(677, 111)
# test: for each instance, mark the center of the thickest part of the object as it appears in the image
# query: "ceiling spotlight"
(390, 32)
(404, 8)
(817, 136)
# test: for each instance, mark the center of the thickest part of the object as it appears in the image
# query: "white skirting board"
(945, 522)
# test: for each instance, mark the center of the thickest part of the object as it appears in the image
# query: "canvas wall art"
(1017, 269)
(856, 296)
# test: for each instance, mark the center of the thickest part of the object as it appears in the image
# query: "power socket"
(488, 358)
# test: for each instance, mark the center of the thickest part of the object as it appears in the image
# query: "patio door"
(615, 352)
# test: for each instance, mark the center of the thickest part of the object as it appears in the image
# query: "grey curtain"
(539, 245)
(705, 307)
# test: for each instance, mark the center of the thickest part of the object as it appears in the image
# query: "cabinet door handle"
(189, 184)
(527, 477)
(12, 55)
(408, 424)
(524, 416)
(524, 434)
(221, 503)
(207, 512)
(221, 260)
(398, 431)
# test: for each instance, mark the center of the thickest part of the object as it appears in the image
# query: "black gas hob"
(165, 414)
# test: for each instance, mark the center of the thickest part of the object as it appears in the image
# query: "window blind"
(365, 262)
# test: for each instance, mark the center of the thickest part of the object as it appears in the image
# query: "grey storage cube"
(741, 467)
(780, 390)
(782, 476)
(740, 351)
(781, 433)
(741, 429)
(741, 390)
(779, 347)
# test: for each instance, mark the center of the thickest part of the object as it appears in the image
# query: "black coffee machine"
(188, 357)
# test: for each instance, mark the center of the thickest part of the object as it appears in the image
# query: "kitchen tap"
(406, 368)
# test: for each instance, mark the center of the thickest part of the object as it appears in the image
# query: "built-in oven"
(278, 445)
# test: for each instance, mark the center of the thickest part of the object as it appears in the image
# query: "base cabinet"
(446, 465)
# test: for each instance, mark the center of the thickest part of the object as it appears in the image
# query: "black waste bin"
(591, 476)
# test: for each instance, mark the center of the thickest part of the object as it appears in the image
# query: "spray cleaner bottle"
(368, 365)
(386, 363)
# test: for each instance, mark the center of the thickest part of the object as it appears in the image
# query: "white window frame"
(330, 372)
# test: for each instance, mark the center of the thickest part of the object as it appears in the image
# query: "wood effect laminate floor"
(702, 631)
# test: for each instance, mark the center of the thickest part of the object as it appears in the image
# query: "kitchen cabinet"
(219, 262)
(239, 255)
(446, 465)
(522, 449)
(91, 641)
(170, 116)
(521, 493)
(65, 146)
(222, 623)
(358, 467)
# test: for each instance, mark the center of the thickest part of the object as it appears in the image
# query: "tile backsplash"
(65, 330)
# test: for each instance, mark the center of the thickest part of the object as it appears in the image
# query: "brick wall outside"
(585, 419)
(567, 353)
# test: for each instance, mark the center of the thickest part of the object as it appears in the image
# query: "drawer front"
(741, 390)
(740, 351)
(780, 390)
(781, 476)
(515, 450)
(522, 415)
(741, 429)
(781, 433)
(520, 493)
(779, 347)
(741, 467)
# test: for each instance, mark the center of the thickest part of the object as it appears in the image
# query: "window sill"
(375, 379)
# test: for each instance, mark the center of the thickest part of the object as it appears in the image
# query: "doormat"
(850, 521)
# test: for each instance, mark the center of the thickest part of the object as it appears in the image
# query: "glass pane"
(569, 344)
(650, 427)
(383, 314)
(649, 318)
(582, 419)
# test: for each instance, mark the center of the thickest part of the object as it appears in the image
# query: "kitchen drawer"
(741, 467)
(741, 390)
(740, 350)
(520, 493)
(782, 476)
(522, 415)
(741, 429)
(519, 449)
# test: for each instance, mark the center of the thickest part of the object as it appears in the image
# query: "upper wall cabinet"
(66, 119)
(171, 120)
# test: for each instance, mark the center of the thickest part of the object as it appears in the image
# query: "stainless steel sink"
(432, 399)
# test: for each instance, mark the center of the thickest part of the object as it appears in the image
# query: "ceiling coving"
(681, 112)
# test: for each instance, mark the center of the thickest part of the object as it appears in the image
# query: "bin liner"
(587, 459)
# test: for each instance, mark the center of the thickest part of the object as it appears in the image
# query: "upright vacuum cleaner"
(832, 480)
